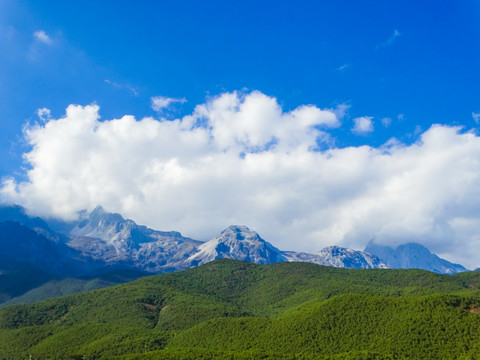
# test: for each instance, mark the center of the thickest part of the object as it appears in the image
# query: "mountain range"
(102, 242)
(107, 240)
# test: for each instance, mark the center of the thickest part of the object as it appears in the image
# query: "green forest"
(230, 309)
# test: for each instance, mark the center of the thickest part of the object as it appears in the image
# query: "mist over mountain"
(413, 256)
(18, 213)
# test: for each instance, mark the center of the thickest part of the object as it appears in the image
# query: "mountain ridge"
(102, 242)
(111, 240)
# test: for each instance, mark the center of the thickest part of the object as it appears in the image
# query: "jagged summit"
(114, 229)
(239, 229)
(108, 236)
(109, 227)
(238, 242)
(100, 217)
(339, 257)
(344, 257)
(239, 232)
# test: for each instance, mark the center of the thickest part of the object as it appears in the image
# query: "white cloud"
(341, 110)
(161, 102)
(44, 114)
(362, 125)
(396, 34)
(386, 121)
(239, 159)
(343, 67)
(476, 117)
(122, 86)
(41, 36)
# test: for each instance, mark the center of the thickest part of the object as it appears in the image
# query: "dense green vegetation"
(235, 310)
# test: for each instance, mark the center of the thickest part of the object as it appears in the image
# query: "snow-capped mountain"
(339, 257)
(413, 256)
(113, 239)
(119, 242)
(121, 233)
(240, 243)
(106, 240)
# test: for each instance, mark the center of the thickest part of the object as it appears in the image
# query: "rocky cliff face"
(113, 239)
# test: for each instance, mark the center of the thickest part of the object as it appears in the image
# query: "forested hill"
(229, 309)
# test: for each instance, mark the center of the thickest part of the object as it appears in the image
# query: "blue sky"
(394, 68)
(322, 53)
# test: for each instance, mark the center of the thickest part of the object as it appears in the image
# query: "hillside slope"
(238, 310)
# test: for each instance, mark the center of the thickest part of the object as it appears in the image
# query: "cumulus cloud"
(241, 159)
(362, 125)
(41, 36)
(161, 102)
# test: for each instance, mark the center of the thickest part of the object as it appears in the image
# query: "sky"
(314, 123)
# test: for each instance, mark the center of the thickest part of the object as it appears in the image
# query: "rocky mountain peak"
(412, 256)
(103, 219)
(349, 258)
(239, 233)
(238, 242)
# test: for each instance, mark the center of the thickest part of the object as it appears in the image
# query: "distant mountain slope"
(18, 214)
(34, 268)
(228, 309)
(413, 256)
(339, 257)
(20, 246)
